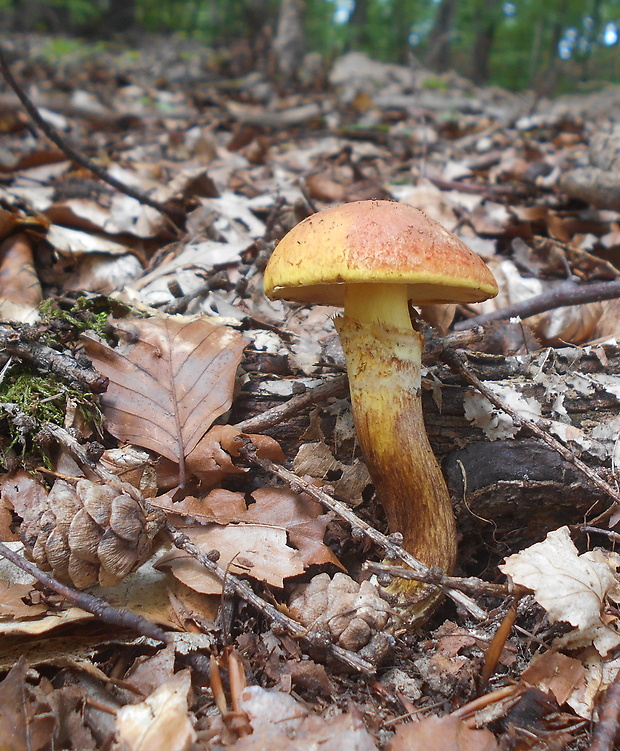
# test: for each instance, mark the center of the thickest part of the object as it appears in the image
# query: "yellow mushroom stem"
(383, 354)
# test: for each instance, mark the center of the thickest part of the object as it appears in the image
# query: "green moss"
(85, 315)
(44, 398)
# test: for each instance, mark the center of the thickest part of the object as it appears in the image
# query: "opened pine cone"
(90, 534)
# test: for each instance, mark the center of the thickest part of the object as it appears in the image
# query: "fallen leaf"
(556, 673)
(599, 674)
(20, 289)
(327, 734)
(300, 516)
(161, 722)
(27, 722)
(441, 734)
(348, 480)
(210, 460)
(258, 551)
(169, 380)
(571, 587)
(12, 601)
(22, 493)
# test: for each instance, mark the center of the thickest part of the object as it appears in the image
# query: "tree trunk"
(483, 44)
(438, 53)
(358, 23)
(119, 17)
(289, 42)
(548, 74)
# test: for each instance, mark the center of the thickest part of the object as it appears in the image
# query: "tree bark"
(481, 53)
(438, 54)
(358, 23)
(119, 17)
(289, 42)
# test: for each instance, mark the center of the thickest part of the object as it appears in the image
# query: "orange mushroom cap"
(375, 241)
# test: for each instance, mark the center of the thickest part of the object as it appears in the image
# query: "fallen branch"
(470, 585)
(95, 605)
(14, 343)
(259, 423)
(568, 293)
(457, 361)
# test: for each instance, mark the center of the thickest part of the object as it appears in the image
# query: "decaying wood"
(507, 493)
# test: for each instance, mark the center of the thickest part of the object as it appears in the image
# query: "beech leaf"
(170, 378)
(441, 734)
(253, 549)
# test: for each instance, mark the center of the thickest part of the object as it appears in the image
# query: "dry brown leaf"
(149, 672)
(556, 673)
(22, 493)
(441, 734)
(300, 516)
(170, 378)
(258, 551)
(222, 506)
(20, 289)
(26, 722)
(210, 461)
(317, 460)
(14, 601)
(161, 722)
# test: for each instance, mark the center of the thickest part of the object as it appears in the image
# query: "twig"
(392, 549)
(469, 585)
(182, 541)
(83, 600)
(172, 214)
(45, 358)
(610, 534)
(277, 619)
(458, 363)
(606, 729)
(478, 188)
(567, 293)
(281, 412)
(513, 692)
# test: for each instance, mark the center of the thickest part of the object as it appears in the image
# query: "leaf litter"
(181, 374)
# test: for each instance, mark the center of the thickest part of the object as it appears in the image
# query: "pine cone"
(89, 534)
(351, 613)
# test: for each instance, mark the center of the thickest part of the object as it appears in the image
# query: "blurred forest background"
(551, 46)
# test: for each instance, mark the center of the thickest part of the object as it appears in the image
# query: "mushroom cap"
(375, 241)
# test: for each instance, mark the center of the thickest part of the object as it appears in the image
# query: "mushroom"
(372, 258)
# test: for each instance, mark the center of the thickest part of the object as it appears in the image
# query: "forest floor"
(172, 586)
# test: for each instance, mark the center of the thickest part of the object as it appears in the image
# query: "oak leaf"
(571, 587)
